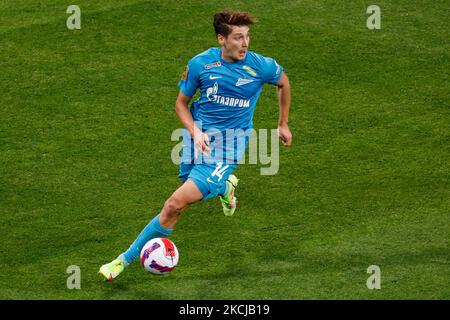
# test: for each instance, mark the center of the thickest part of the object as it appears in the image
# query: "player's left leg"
(216, 180)
(227, 198)
(160, 226)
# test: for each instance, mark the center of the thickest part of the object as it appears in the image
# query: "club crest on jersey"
(250, 70)
(212, 65)
(241, 81)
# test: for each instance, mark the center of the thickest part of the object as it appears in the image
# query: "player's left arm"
(284, 101)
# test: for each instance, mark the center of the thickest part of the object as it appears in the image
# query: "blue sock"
(152, 230)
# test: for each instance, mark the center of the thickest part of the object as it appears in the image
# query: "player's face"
(235, 46)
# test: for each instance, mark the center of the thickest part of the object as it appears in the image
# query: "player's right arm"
(201, 139)
(189, 83)
(183, 113)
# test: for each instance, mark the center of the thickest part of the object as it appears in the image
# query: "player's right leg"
(161, 226)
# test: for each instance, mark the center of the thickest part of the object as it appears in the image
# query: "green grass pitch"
(86, 118)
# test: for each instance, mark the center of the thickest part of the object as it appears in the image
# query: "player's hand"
(201, 143)
(285, 134)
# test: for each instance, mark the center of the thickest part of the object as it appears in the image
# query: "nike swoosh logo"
(212, 78)
(241, 82)
(210, 181)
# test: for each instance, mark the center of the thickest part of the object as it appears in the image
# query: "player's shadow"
(347, 266)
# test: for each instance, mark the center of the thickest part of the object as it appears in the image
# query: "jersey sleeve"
(271, 70)
(189, 81)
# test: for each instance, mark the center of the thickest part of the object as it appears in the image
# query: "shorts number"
(219, 170)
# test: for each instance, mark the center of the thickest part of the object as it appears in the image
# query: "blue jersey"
(229, 91)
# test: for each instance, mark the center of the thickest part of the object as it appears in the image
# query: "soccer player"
(230, 79)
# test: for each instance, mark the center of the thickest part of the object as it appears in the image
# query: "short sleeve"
(189, 81)
(271, 70)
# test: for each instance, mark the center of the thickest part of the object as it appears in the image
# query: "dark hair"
(223, 21)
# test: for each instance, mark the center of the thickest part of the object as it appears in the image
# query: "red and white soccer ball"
(159, 256)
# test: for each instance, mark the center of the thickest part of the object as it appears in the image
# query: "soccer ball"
(159, 256)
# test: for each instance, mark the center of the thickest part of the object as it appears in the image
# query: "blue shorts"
(209, 173)
(209, 178)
